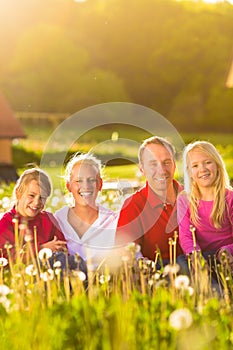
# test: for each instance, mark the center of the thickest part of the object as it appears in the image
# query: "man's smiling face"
(158, 166)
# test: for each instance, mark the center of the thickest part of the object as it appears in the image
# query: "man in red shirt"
(148, 217)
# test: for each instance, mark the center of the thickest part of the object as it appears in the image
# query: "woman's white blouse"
(97, 242)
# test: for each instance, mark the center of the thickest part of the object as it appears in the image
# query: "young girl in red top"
(27, 221)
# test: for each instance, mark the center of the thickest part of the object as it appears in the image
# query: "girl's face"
(31, 201)
(203, 169)
(85, 183)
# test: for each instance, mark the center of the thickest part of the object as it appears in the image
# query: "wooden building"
(10, 128)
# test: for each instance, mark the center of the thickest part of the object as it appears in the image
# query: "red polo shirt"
(146, 220)
(44, 222)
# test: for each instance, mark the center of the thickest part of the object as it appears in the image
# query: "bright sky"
(214, 1)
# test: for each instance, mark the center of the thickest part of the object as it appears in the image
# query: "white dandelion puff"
(45, 254)
(3, 262)
(28, 237)
(181, 319)
(5, 302)
(57, 264)
(4, 290)
(132, 246)
(171, 269)
(30, 270)
(125, 258)
(181, 282)
(47, 275)
(104, 278)
(81, 275)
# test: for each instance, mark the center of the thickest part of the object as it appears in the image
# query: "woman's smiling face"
(85, 183)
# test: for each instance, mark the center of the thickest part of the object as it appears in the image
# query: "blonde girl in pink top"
(206, 203)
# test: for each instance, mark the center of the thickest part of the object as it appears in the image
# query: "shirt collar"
(152, 197)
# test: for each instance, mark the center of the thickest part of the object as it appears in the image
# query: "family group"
(196, 216)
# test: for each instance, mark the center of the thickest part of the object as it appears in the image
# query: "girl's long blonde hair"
(221, 183)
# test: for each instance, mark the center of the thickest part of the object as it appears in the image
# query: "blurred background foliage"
(172, 56)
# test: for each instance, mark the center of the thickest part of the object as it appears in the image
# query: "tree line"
(62, 56)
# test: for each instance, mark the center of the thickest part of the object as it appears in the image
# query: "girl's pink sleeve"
(184, 222)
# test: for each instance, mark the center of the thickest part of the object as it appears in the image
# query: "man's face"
(158, 166)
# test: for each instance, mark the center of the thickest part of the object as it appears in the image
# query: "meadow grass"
(127, 304)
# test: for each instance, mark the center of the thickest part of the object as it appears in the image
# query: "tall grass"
(126, 304)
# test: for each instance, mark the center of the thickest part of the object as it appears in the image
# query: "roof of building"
(10, 127)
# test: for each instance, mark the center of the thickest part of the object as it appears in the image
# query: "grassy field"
(128, 304)
(104, 142)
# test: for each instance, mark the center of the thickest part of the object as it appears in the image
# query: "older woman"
(89, 228)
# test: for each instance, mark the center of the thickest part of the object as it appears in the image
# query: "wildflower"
(3, 262)
(5, 302)
(171, 269)
(181, 282)
(181, 319)
(132, 246)
(55, 201)
(150, 282)
(190, 290)
(57, 268)
(45, 253)
(7, 245)
(104, 278)
(157, 276)
(5, 202)
(31, 270)
(81, 275)
(47, 275)
(57, 264)
(23, 226)
(125, 258)
(4, 290)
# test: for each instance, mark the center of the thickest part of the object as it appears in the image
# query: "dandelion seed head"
(171, 269)
(30, 270)
(5, 302)
(3, 262)
(150, 282)
(190, 290)
(181, 319)
(8, 245)
(4, 290)
(125, 258)
(57, 264)
(45, 254)
(23, 226)
(57, 271)
(28, 237)
(81, 276)
(157, 276)
(181, 282)
(47, 275)
(133, 247)
(104, 278)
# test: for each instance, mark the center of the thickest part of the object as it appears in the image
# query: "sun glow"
(211, 1)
